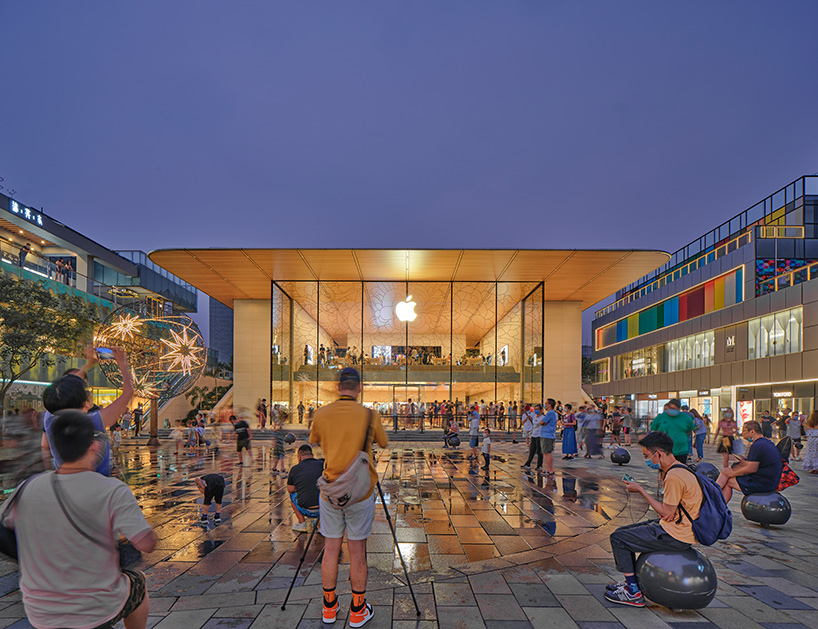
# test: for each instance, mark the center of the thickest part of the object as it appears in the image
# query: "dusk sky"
(519, 124)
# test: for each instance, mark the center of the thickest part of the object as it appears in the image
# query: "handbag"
(354, 484)
(788, 477)
(8, 536)
(128, 553)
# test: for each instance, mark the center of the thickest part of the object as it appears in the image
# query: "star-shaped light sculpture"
(125, 327)
(183, 350)
(143, 386)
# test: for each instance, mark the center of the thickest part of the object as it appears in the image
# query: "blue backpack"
(715, 521)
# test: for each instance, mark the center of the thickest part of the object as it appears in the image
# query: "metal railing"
(677, 273)
(790, 278)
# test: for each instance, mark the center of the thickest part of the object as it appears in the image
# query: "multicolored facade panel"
(721, 292)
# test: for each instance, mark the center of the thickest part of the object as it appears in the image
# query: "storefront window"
(690, 352)
(775, 334)
(417, 344)
(601, 371)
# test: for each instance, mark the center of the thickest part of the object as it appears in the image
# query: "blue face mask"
(672, 412)
(652, 465)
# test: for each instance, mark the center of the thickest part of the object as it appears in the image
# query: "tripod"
(394, 537)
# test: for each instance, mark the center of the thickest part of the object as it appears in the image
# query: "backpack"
(715, 521)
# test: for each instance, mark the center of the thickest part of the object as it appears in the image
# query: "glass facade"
(775, 334)
(469, 341)
(690, 352)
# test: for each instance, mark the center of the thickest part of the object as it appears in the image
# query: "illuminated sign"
(731, 341)
(32, 216)
(652, 396)
(782, 394)
(406, 310)
(705, 392)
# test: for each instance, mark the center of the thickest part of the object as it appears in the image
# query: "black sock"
(329, 602)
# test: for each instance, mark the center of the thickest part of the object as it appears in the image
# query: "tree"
(196, 396)
(588, 370)
(35, 325)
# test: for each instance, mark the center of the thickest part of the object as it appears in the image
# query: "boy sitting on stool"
(212, 486)
(303, 488)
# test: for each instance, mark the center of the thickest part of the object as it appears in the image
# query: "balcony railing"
(790, 278)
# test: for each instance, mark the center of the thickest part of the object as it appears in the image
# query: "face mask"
(652, 465)
(672, 412)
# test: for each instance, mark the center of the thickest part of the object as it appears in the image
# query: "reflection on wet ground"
(498, 546)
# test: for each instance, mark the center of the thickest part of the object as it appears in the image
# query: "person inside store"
(759, 472)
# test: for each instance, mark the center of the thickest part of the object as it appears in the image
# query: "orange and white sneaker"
(360, 618)
(330, 613)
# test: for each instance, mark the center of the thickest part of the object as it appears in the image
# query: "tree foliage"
(36, 324)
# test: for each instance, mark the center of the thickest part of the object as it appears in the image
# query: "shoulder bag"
(128, 553)
(355, 483)
(8, 537)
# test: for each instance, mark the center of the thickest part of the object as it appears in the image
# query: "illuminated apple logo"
(406, 310)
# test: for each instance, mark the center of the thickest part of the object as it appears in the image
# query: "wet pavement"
(498, 549)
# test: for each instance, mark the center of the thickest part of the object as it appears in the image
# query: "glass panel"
(753, 331)
(427, 354)
(779, 336)
(281, 354)
(794, 330)
(533, 347)
(305, 336)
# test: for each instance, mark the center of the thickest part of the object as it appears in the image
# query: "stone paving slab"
(502, 549)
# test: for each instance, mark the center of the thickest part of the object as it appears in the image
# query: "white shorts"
(355, 520)
(526, 433)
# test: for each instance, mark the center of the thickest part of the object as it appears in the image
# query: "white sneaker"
(301, 527)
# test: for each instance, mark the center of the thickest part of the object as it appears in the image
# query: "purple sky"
(405, 124)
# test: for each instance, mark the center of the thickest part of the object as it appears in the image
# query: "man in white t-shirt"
(474, 431)
(534, 447)
(66, 577)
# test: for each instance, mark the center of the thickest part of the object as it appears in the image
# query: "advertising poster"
(745, 413)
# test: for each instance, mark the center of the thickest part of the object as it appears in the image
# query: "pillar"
(251, 353)
(562, 365)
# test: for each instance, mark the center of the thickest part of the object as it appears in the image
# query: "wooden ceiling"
(569, 275)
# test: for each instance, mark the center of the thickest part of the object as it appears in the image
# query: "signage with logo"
(705, 392)
(782, 393)
(32, 216)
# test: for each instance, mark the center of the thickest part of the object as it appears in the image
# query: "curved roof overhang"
(569, 275)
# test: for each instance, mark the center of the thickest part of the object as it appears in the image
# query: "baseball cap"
(348, 374)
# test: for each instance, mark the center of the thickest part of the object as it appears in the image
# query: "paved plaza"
(503, 549)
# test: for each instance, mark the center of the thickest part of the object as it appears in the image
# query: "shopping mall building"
(38, 247)
(730, 321)
(421, 325)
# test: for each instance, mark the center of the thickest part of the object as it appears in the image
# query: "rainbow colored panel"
(721, 292)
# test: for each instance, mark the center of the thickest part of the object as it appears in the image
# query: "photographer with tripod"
(341, 429)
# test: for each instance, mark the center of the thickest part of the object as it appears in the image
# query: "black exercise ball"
(767, 508)
(678, 580)
(707, 469)
(621, 456)
(454, 441)
(289, 438)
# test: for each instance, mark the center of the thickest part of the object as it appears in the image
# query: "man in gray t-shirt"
(63, 573)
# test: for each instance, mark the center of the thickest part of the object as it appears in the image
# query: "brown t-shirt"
(682, 487)
(339, 429)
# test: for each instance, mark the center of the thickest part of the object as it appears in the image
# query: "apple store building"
(420, 325)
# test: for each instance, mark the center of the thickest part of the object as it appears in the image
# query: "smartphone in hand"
(628, 478)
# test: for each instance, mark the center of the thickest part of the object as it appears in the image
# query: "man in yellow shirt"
(673, 531)
(340, 429)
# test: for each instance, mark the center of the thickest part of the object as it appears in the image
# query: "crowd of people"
(68, 510)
